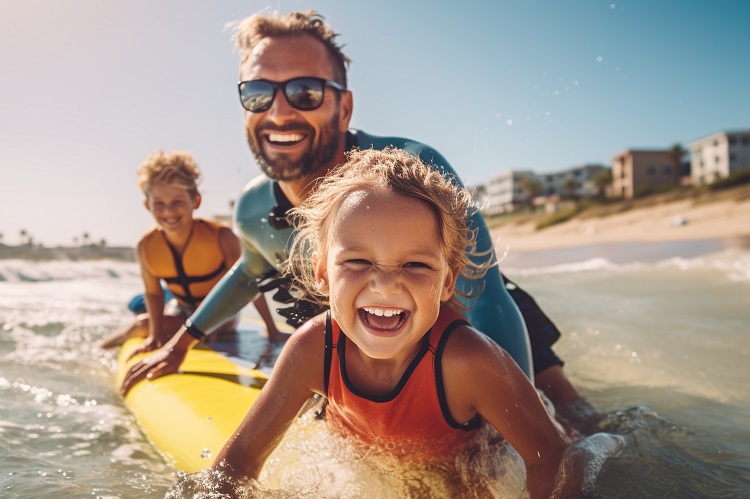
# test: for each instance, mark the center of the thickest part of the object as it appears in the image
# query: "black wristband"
(193, 330)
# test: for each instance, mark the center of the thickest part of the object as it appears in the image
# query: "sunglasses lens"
(304, 93)
(257, 95)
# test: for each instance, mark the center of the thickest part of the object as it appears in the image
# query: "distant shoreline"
(721, 216)
(74, 253)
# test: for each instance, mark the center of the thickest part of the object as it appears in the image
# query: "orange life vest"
(412, 421)
(189, 276)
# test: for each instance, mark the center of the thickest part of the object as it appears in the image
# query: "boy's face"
(172, 206)
(385, 273)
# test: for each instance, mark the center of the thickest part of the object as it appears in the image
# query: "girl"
(382, 240)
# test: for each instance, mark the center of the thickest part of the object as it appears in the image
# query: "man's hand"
(166, 360)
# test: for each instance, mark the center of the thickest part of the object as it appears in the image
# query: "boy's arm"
(154, 298)
(297, 375)
(507, 400)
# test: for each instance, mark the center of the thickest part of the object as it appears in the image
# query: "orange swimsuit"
(413, 420)
(189, 276)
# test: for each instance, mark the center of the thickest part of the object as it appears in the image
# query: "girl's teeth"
(383, 312)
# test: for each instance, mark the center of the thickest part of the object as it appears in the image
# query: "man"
(297, 112)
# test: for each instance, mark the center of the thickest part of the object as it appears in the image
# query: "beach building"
(573, 182)
(507, 191)
(513, 189)
(637, 170)
(718, 155)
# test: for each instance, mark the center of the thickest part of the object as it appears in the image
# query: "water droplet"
(599, 58)
(206, 454)
(509, 122)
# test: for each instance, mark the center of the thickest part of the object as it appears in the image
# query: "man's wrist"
(194, 330)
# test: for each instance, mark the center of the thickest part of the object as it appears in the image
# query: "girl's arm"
(480, 377)
(298, 374)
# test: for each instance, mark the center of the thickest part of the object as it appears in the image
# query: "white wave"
(61, 270)
(732, 263)
(586, 265)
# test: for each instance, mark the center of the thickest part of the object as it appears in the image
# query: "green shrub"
(734, 179)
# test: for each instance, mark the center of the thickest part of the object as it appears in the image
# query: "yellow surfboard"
(189, 416)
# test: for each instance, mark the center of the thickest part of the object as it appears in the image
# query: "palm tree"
(85, 239)
(676, 157)
(24, 236)
(531, 187)
(602, 181)
(569, 186)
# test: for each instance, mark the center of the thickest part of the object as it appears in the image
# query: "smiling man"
(297, 111)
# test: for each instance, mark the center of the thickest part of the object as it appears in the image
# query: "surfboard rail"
(190, 415)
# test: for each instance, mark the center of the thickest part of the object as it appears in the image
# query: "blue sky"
(89, 88)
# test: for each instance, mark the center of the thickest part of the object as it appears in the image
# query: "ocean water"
(654, 335)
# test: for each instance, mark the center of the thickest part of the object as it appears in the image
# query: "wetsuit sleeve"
(230, 295)
(491, 308)
(239, 286)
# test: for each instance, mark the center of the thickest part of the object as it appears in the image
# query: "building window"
(650, 169)
(745, 140)
(732, 157)
(732, 141)
(667, 170)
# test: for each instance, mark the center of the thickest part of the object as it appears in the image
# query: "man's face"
(290, 144)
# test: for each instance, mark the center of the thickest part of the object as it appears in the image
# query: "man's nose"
(280, 109)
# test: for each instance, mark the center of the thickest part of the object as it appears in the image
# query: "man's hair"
(390, 170)
(169, 168)
(257, 27)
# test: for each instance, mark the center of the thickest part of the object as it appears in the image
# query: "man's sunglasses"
(304, 93)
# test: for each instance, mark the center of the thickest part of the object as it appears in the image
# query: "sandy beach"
(721, 216)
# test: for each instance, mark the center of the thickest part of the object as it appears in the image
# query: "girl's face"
(385, 272)
(172, 206)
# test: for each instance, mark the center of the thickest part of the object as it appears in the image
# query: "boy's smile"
(172, 206)
(385, 272)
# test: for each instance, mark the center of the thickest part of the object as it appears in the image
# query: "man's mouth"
(285, 139)
(383, 319)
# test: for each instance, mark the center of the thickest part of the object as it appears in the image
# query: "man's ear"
(321, 273)
(449, 284)
(147, 204)
(197, 201)
(347, 108)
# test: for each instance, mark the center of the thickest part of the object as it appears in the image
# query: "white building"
(718, 155)
(506, 191)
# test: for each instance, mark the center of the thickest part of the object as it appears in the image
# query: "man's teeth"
(275, 137)
(387, 312)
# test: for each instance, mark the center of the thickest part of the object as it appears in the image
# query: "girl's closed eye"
(417, 268)
(356, 264)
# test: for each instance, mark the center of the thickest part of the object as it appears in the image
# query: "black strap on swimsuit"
(183, 280)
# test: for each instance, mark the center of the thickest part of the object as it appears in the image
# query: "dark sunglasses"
(304, 93)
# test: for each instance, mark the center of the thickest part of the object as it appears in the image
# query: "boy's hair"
(250, 31)
(169, 168)
(389, 170)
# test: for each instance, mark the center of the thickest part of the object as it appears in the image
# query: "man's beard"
(319, 156)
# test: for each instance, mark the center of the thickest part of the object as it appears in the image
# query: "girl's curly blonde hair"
(389, 170)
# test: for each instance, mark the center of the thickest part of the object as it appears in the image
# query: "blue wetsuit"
(260, 218)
